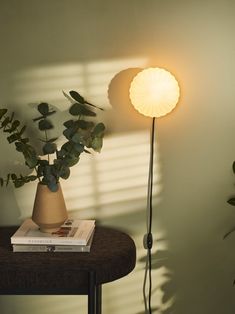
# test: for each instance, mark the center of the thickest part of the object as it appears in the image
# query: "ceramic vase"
(49, 210)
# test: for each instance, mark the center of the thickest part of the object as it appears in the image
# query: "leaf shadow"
(161, 259)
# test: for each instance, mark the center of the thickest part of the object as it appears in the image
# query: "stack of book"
(73, 236)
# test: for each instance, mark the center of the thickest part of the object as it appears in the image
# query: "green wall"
(47, 46)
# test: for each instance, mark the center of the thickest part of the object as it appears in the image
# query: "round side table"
(112, 256)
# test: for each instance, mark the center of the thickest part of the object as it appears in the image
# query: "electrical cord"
(148, 238)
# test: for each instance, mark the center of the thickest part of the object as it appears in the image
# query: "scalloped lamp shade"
(154, 92)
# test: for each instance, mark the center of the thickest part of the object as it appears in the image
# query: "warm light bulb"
(154, 92)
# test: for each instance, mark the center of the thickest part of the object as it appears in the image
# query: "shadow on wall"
(9, 209)
(163, 290)
(118, 93)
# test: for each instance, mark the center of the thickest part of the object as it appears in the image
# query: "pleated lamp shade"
(154, 92)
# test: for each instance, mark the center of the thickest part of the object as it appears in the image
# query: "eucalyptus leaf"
(72, 149)
(14, 137)
(22, 130)
(68, 133)
(72, 161)
(43, 162)
(69, 123)
(11, 117)
(79, 147)
(22, 179)
(67, 147)
(1, 181)
(231, 201)
(49, 148)
(85, 124)
(75, 109)
(234, 167)
(53, 186)
(25, 179)
(76, 138)
(25, 140)
(13, 127)
(64, 172)
(97, 144)
(76, 96)
(8, 179)
(99, 129)
(49, 178)
(81, 110)
(45, 124)
(82, 136)
(18, 183)
(5, 122)
(30, 156)
(60, 153)
(87, 112)
(28, 149)
(32, 178)
(43, 108)
(47, 172)
(19, 146)
(31, 161)
(13, 176)
(2, 112)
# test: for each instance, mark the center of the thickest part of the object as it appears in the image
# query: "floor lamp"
(154, 92)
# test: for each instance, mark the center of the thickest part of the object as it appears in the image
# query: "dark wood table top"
(112, 256)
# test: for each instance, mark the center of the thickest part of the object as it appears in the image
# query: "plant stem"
(46, 138)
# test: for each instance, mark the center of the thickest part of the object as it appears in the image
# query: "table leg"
(98, 299)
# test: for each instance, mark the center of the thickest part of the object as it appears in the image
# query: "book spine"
(43, 241)
(50, 248)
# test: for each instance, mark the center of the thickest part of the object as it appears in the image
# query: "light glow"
(154, 92)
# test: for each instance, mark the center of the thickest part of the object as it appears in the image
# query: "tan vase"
(49, 210)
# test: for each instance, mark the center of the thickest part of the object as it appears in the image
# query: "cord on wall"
(148, 238)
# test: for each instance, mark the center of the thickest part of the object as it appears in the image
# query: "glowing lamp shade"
(154, 92)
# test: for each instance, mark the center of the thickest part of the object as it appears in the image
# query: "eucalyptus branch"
(21, 140)
(81, 133)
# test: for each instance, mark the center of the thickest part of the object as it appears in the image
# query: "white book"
(72, 232)
(52, 248)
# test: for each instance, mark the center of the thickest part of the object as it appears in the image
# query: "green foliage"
(76, 96)
(231, 201)
(81, 110)
(80, 136)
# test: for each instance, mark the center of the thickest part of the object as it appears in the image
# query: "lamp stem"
(148, 239)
